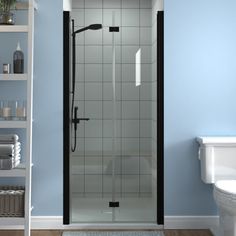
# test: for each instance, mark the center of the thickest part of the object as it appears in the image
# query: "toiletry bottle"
(18, 60)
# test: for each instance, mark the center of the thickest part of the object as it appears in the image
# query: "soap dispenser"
(18, 60)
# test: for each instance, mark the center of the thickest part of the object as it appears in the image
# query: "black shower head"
(95, 27)
(90, 27)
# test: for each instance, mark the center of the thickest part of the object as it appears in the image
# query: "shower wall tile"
(93, 3)
(79, 54)
(129, 147)
(145, 17)
(145, 146)
(107, 184)
(78, 4)
(93, 91)
(107, 37)
(146, 72)
(130, 4)
(108, 54)
(145, 128)
(146, 4)
(93, 129)
(80, 147)
(108, 91)
(108, 17)
(93, 146)
(130, 17)
(80, 131)
(145, 183)
(107, 165)
(78, 16)
(130, 91)
(154, 90)
(146, 91)
(93, 183)
(145, 110)
(79, 40)
(77, 183)
(130, 165)
(108, 128)
(93, 72)
(130, 109)
(130, 183)
(145, 165)
(108, 110)
(93, 37)
(93, 109)
(128, 73)
(79, 91)
(107, 147)
(107, 72)
(111, 3)
(154, 52)
(145, 35)
(130, 128)
(146, 54)
(130, 35)
(79, 75)
(93, 16)
(93, 54)
(77, 165)
(129, 53)
(93, 165)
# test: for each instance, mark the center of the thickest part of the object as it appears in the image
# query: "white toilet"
(218, 166)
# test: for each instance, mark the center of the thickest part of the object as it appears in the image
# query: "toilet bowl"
(217, 157)
(225, 198)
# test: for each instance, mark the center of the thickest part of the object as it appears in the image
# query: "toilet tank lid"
(217, 140)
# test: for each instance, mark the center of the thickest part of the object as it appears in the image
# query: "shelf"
(13, 28)
(6, 221)
(13, 77)
(19, 171)
(25, 6)
(12, 124)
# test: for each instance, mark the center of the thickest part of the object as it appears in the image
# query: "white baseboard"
(171, 222)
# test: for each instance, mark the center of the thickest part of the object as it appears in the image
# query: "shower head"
(90, 27)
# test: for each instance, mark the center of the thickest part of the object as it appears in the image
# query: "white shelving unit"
(25, 169)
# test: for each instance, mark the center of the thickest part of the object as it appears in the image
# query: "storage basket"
(12, 201)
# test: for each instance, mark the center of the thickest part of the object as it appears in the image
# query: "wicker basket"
(12, 201)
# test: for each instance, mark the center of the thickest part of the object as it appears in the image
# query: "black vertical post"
(160, 117)
(66, 118)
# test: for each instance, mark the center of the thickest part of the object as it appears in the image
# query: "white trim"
(171, 222)
(192, 222)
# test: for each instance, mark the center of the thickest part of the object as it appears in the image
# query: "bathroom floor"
(139, 209)
(59, 233)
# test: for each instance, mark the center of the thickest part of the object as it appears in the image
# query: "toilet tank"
(218, 158)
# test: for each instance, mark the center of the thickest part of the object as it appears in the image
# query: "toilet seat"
(225, 192)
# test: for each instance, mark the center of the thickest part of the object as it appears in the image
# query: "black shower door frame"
(160, 117)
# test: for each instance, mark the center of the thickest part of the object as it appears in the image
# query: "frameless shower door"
(113, 169)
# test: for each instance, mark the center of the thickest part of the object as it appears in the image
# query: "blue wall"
(47, 191)
(200, 95)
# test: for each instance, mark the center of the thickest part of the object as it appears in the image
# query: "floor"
(59, 233)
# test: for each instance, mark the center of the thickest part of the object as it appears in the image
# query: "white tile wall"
(77, 183)
(93, 16)
(134, 108)
(93, 72)
(111, 3)
(130, 35)
(77, 4)
(93, 109)
(93, 3)
(93, 54)
(130, 17)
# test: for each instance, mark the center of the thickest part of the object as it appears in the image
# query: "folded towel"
(9, 138)
(7, 149)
